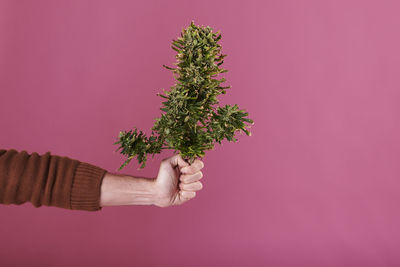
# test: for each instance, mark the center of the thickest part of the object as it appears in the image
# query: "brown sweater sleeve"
(49, 180)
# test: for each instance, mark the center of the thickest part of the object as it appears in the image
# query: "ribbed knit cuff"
(86, 186)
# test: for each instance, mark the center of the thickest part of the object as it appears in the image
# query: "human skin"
(176, 183)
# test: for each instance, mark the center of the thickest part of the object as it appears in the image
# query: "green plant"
(191, 122)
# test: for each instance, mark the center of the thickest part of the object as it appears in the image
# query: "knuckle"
(188, 194)
(200, 175)
(183, 196)
(186, 169)
(199, 164)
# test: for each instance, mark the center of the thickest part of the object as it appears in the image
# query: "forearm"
(119, 190)
(49, 180)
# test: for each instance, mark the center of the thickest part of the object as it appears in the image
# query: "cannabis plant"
(191, 122)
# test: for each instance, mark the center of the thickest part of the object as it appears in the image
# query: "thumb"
(177, 160)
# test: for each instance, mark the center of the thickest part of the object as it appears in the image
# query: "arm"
(49, 180)
(57, 181)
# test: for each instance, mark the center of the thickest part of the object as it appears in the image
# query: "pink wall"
(316, 185)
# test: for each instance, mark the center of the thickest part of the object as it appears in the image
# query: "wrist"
(119, 190)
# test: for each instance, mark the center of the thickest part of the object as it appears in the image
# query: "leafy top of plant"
(191, 122)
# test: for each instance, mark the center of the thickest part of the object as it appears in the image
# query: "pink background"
(316, 185)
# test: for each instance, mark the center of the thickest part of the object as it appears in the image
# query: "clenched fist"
(177, 181)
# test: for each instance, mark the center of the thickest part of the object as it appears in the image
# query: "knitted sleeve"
(49, 180)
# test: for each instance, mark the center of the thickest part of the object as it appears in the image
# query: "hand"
(177, 181)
